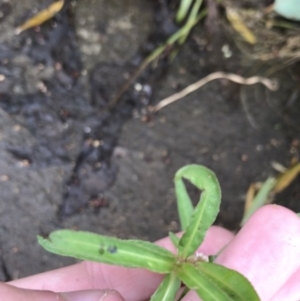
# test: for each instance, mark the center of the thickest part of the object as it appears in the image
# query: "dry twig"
(268, 83)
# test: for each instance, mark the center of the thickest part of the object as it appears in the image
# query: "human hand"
(266, 251)
(12, 293)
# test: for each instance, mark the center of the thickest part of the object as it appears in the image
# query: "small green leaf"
(184, 7)
(174, 239)
(206, 210)
(194, 11)
(216, 283)
(234, 283)
(94, 247)
(167, 290)
(184, 204)
(205, 287)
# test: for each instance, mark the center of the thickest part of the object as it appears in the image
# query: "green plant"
(211, 281)
(189, 14)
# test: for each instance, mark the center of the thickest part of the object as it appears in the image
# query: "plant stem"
(179, 36)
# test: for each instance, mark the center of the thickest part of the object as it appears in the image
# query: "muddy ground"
(69, 160)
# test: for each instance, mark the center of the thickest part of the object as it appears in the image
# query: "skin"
(266, 251)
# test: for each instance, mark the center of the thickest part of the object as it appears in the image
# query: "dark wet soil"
(69, 159)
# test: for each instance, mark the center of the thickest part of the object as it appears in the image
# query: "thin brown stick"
(270, 84)
(129, 82)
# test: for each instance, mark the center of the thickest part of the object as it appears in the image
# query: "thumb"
(11, 293)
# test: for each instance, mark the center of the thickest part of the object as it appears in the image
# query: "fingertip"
(266, 250)
(272, 214)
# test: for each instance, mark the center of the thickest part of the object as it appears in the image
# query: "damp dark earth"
(72, 158)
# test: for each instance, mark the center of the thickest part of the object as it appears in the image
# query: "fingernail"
(91, 295)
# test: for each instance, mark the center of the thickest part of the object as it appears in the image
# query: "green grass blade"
(168, 289)
(260, 199)
(206, 210)
(184, 204)
(195, 10)
(216, 283)
(184, 7)
(94, 247)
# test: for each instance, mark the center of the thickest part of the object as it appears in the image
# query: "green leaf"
(167, 290)
(206, 210)
(194, 11)
(260, 199)
(94, 247)
(234, 283)
(184, 7)
(174, 239)
(184, 204)
(204, 286)
(213, 282)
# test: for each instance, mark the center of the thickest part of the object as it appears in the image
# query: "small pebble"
(244, 158)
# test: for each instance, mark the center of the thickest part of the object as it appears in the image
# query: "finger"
(91, 295)
(266, 250)
(130, 283)
(11, 293)
(133, 284)
(290, 290)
